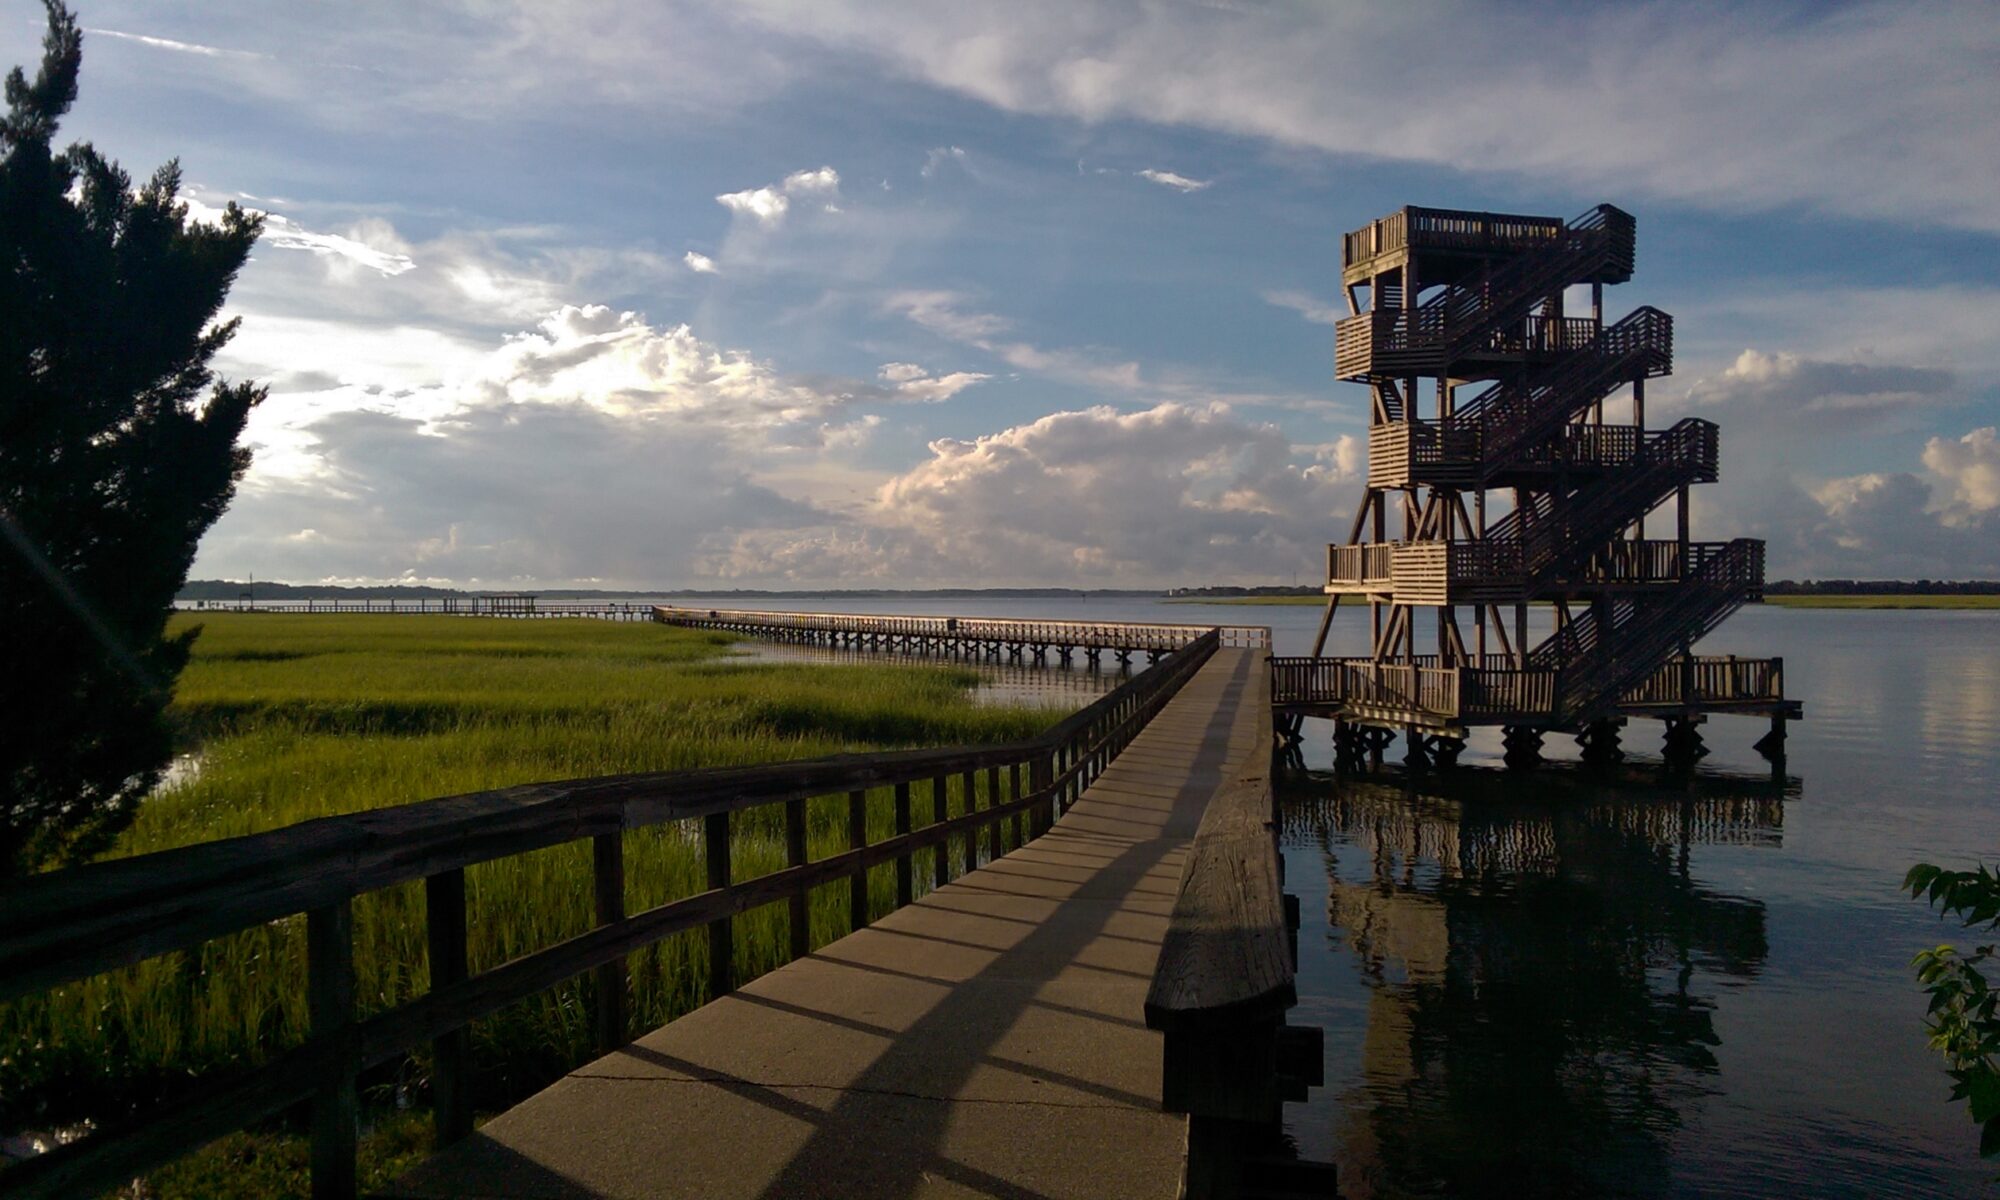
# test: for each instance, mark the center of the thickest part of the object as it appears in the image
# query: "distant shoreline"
(1934, 602)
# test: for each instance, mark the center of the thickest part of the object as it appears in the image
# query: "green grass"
(296, 717)
(1886, 601)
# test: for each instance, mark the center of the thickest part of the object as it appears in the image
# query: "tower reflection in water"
(1541, 970)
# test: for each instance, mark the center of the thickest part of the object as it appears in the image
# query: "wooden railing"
(1494, 313)
(1360, 564)
(1497, 687)
(1445, 228)
(76, 923)
(1224, 981)
(1108, 635)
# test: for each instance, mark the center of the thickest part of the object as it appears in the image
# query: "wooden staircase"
(1582, 489)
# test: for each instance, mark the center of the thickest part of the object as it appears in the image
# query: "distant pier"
(1013, 640)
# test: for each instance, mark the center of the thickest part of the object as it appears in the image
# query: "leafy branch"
(1962, 1016)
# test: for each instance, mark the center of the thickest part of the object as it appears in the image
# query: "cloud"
(160, 43)
(936, 158)
(384, 259)
(1179, 183)
(1970, 466)
(1168, 494)
(913, 382)
(768, 205)
(1312, 308)
(1803, 385)
(1747, 107)
(946, 313)
(1796, 407)
(700, 264)
(371, 243)
(500, 493)
(1885, 525)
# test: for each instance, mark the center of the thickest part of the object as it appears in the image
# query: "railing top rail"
(78, 922)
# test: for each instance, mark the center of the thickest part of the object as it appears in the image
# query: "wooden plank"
(1225, 958)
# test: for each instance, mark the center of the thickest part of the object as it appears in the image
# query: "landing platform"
(986, 1040)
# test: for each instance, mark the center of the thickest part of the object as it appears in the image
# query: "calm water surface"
(1572, 985)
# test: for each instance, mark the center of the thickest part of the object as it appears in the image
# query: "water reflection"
(1541, 972)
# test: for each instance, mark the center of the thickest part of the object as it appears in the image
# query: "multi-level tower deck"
(1505, 483)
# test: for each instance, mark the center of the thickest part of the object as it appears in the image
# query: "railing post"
(1021, 818)
(941, 809)
(800, 917)
(904, 887)
(993, 801)
(607, 860)
(721, 947)
(330, 1015)
(971, 784)
(444, 929)
(857, 839)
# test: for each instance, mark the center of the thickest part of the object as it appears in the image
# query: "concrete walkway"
(987, 1040)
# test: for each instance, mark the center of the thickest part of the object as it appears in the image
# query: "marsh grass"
(296, 717)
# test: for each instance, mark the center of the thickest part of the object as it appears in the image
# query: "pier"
(1013, 640)
(1080, 989)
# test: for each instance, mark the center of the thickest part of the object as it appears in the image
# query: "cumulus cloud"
(768, 205)
(700, 264)
(1171, 493)
(1790, 385)
(1885, 524)
(1970, 467)
(496, 493)
(596, 445)
(1179, 183)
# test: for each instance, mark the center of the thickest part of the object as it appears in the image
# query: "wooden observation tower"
(1502, 545)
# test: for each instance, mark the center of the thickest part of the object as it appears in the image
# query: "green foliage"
(297, 717)
(1962, 1021)
(117, 451)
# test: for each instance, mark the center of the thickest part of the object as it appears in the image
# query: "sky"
(894, 293)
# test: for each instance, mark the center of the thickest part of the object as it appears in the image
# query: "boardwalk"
(987, 1040)
(1017, 640)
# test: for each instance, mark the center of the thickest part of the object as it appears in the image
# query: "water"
(1573, 986)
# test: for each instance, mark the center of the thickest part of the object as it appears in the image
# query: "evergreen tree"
(117, 451)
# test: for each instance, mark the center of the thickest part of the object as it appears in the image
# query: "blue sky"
(906, 294)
